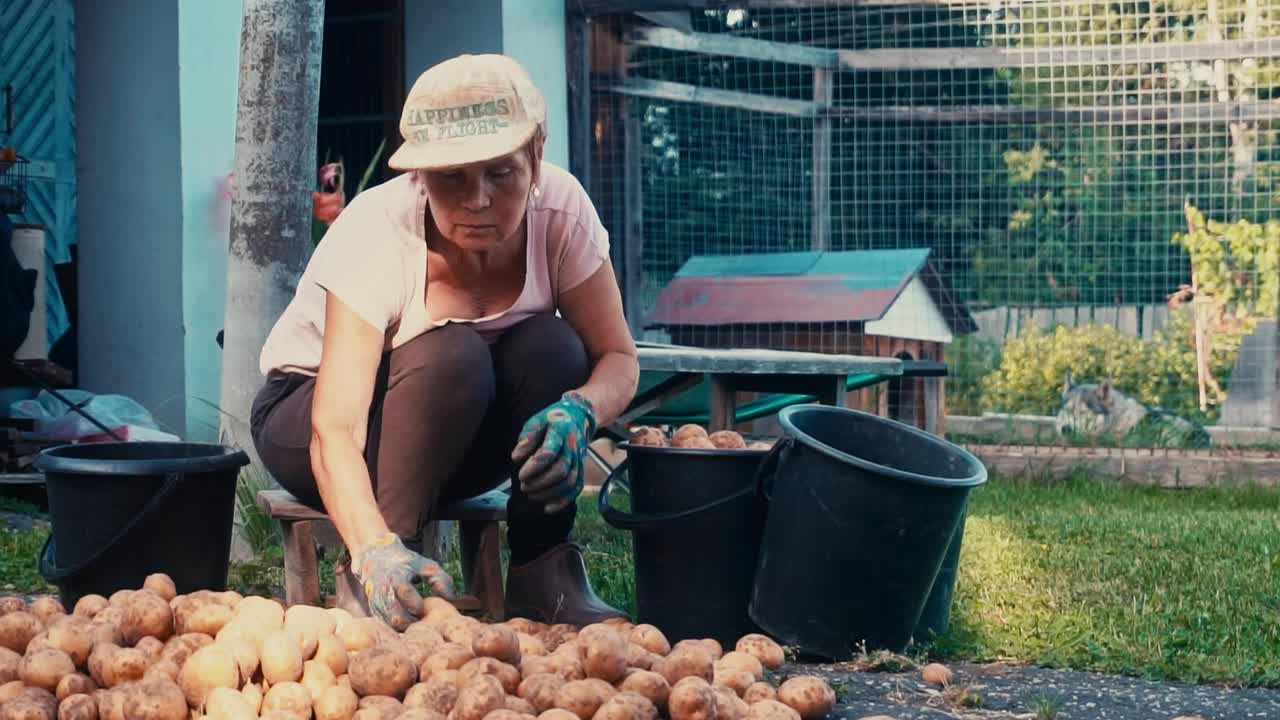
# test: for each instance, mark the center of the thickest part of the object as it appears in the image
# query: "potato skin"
(650, 638)
(74, 684)
(336, 703)
(9, 661)
(808, 695)
(497, 641)
(506, 674)
(439, 693)
(687, 660)
(89, 606)
(540, 689)
(627, 706)
(45, 668)
(146, 614)
(381, 671)
(759, 691)
(771, 710)
(155, 700)
(17, 629)
(692, 699)
(603, 653)
(649, 684)
(478, 698)
(584, 697)
(78, 706)
(762, 648)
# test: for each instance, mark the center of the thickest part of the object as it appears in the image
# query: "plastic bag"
(55, 420)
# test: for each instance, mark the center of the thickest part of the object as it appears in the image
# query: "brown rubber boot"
(554, 588)
(350, 595)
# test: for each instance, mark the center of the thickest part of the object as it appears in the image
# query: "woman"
(457, 326)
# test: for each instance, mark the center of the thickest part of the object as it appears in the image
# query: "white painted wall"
(914, 316)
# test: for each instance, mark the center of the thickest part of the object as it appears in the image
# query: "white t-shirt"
(374, 257)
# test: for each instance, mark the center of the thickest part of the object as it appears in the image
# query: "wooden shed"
(886, 303)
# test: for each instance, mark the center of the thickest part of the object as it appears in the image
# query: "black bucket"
(695, 522)
(123, 510)
(862, 511)
(935, 618)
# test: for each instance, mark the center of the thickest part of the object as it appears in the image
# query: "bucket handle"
(170, 483)
(631, 521)
(768, 468)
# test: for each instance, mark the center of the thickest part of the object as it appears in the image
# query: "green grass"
(1158, 583)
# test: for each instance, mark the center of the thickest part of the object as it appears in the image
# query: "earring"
(537, 191)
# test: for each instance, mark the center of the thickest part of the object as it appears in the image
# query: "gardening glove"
(387, 569)
(552, 450)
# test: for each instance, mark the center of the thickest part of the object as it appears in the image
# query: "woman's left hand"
(552, 450)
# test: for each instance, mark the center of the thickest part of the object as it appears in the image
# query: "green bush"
(1159, 372)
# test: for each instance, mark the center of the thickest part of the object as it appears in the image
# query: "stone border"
(1165, 468)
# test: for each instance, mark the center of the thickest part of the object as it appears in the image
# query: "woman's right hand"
(387, 569)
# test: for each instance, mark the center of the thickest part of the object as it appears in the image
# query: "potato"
(771, 710)
(105, 632)
(687, 431)
(540, 690)
(566, 664)
(336, 703)
(166, 669)
(245, 654)
(47, 608)
(936, 674)
(478, 698)
(307, 640)
(651, 685)
(72, 635)
(208, 619)
(461, 629)
(420, 714)
(387, 708)
(110, 704)
(638, 658)
(79, 706)
(155, 700)
(74, 684)
(180, 647)
(762, 648)
(531, 645)
(89, 606)
(162, 585)
(525, 625)
(584, 697)
(603, 653)
(557, 714)
(280, 658)
(151, 647)
(692, 699)
(737, 660)
(508, 675)
(650, 638)
(11, 690)
(25, 709)
(449, 656)
(420, 633)
(13, 604)
(647, 435)
(227, 704)
(497, 641)
(253, 694)
(627, 706)
(687, 660)
(360, 634)
(330, 651)
(146, 613)
(728, 705)
(557, 635)
(438, 694)
(727, 439)
(736, 680)
(45, 668)
(9, 661)
(520, 705)
(17, 629)
(263, 611)
(759, 691)
(310, 616)
(288, 698)
(380, 671)
(317, 677)
(808, 695)
(210, 667)
(123, 666)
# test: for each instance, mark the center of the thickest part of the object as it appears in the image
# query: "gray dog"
(1092, 410)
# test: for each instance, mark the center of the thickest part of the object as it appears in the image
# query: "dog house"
(885, 303)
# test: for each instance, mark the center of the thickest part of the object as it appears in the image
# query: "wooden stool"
(478, 521)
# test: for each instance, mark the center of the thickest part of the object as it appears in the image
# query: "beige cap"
(468, 109)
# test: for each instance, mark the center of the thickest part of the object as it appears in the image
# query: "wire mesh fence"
(1075, 204)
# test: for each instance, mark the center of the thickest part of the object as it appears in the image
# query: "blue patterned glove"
(552, 451)
(387, 569)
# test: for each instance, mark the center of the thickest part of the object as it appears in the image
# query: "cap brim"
(442, 154)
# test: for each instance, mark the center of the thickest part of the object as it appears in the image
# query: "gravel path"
(979, 692)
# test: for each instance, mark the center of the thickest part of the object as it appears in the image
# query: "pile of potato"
(151, 654)
(694, 436)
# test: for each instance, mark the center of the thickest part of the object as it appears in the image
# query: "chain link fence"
(1075, 205)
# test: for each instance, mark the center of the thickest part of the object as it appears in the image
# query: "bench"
(478, 521)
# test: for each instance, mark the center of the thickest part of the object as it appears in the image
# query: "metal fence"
(1032, 191)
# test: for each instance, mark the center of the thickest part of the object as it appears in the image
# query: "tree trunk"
(275, 170)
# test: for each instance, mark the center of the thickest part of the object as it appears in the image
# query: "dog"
(1098, 409)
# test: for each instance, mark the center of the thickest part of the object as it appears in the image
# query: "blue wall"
(533, 33)
(208, 59)
(130, 203)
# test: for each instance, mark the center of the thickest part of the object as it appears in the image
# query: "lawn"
(1164, 584)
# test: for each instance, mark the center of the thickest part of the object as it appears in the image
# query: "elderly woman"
(457, 326)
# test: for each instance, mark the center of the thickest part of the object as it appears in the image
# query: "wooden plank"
(723, 405)
(823, 93)
(282, 505)
(302, 568)
(734, 46)
(1171, 113)
(682, 92)
(762, 361)
(956, 58)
